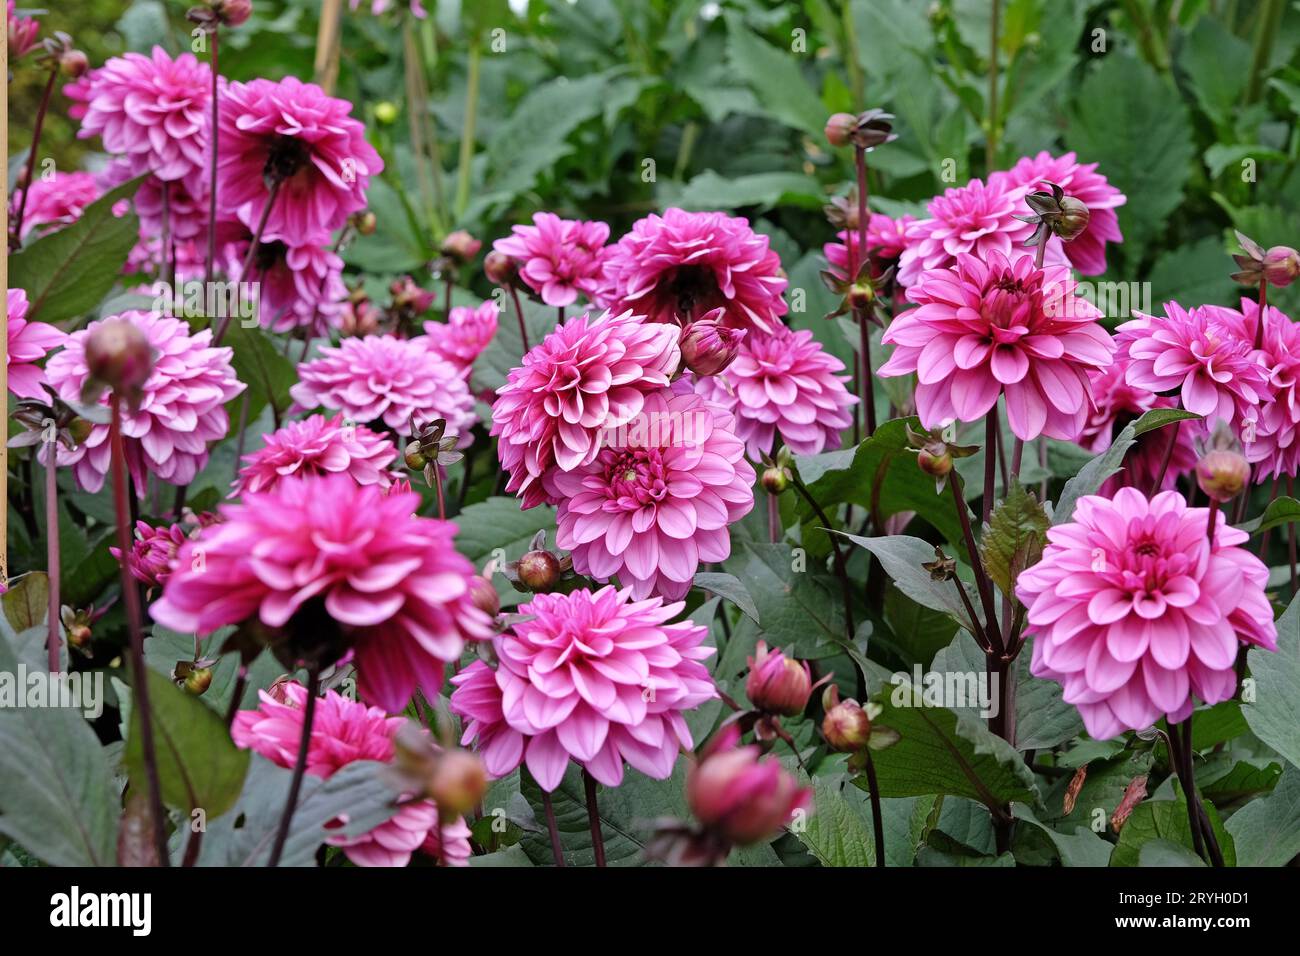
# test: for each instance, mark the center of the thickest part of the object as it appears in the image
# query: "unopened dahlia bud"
(1281, 266)
(846, 726)
(484, 596)
(73, 63)
(778, 684)
(118, 355)
(1222, 474)
(457, 784)
(1055, 213)
(935, 463)
(460, 246)
(738, 795)
(1073, 219)
(838, 128)
(365, 223)
(415, 459)
(709, 347)
(233, 12)
(386, 112)
(408, 295)
(194, 677)
(500, 268)
(539, 571)
(775, 480)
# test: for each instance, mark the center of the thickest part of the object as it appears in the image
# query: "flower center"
(286, 156)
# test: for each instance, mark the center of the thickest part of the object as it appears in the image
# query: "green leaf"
(260, 366)
(839, 832)
(59, 800)
(1192, 272)
(1279, 511)
(1015, 537)
(776, 79)
(901, 557)
(1216, 64)
(729, 587)
(801, 611)
(708, 190)
(199, 766)
(1165, 820)
(1079, 847)
(1160, 852)
(1266, 831)
(27, 602)
(498, 524)
(68, 273)
(1274, 715)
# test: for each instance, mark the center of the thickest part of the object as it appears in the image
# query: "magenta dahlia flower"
(783, 385)
(394, 582)
(598, 678)
(656, 500)
(344, 731)
(1202, 354)
(740, 795)
(293, 134)
(153, 552)
(299, 286)
(151, 109)
(1117, 403)
(29, 343)
(983, 329)
(677, 267)
(23, 32)
(1086, 251)
(317, 446)
(384, 378)
(588, 376)
(977, 219)
(886, 240)
(465, 335)
(56, 201)
(181, 410)
(559, 259)
(1134, 611)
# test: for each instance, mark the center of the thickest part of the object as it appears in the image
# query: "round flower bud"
(1222, 474)
(937, 465)
(846, 726)
(73, 63)
(118, 355)
(707, 347)
(738, 795)
(484, 595)
(838, 128)
(1281, 265)
(458, 783)
(1073, 219)
(79, 635)
(386, 112)
(461, 246)
(500, 268)
(539, 571)
(233, 12)
(197, 681)
(365, 223)
(775, 480)
(862, 294)
(778, 684)
(415, 459)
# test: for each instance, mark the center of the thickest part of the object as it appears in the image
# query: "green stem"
(1266, 28)
(991, 139)
(467, 130)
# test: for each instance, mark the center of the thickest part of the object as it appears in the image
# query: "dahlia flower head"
(384, 378)
(153, 552)
(886, 240)
(29, 343)
(1086, 251)
(186, 207)
(678, 267)
(559, 259)
(784, 385)
(1201, 354)
(182, 404)
(599, 678)
(344, 731)
(588, 376)
(463, 337)
(392, 580)
(985, 328)
(294, 131)
(154, 110)
(1116, 404)
(318, 446)
(977, 219)
(740, 795)
(1271, 440)
(1134, 612)
(658, 498)
(299, 286)
(55, 201)
(23, 32)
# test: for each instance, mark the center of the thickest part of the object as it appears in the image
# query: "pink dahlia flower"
(394, 582)
(344, 731)
(598, 678)
(588, 376)
(464, 336)
(886, 240)
(1117, 403)
(559, 259)
(656, 500)
(317, 446)
(22, 34)
(740, 795)
(181, 410)
(977, 219)
(292, 132)
(1087, 251)
(29, 343)
(153, 553)
(151, 109)
(300, 286)
(786, 385)
(986, 328)
(1134, 611)
(677, 267)
(56, 201)
(1203, 355)
(384, 378)
(186, 208)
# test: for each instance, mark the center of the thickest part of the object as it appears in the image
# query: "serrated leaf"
(902, 558)
(775, 77)
(1266, 832)
(1166, 820)
(729, 587)
(1015, 537)
(1274, 715)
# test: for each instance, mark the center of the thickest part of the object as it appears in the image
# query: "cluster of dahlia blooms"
(55, 200)
(392, 582)
(318, 446)
(1135, 610)
(463, 337)
(182, 405)
(600, 678)
(29, 343)
(344, 731)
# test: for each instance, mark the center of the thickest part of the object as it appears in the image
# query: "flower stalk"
(29, 168)
(300, 765)
(593, 818)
